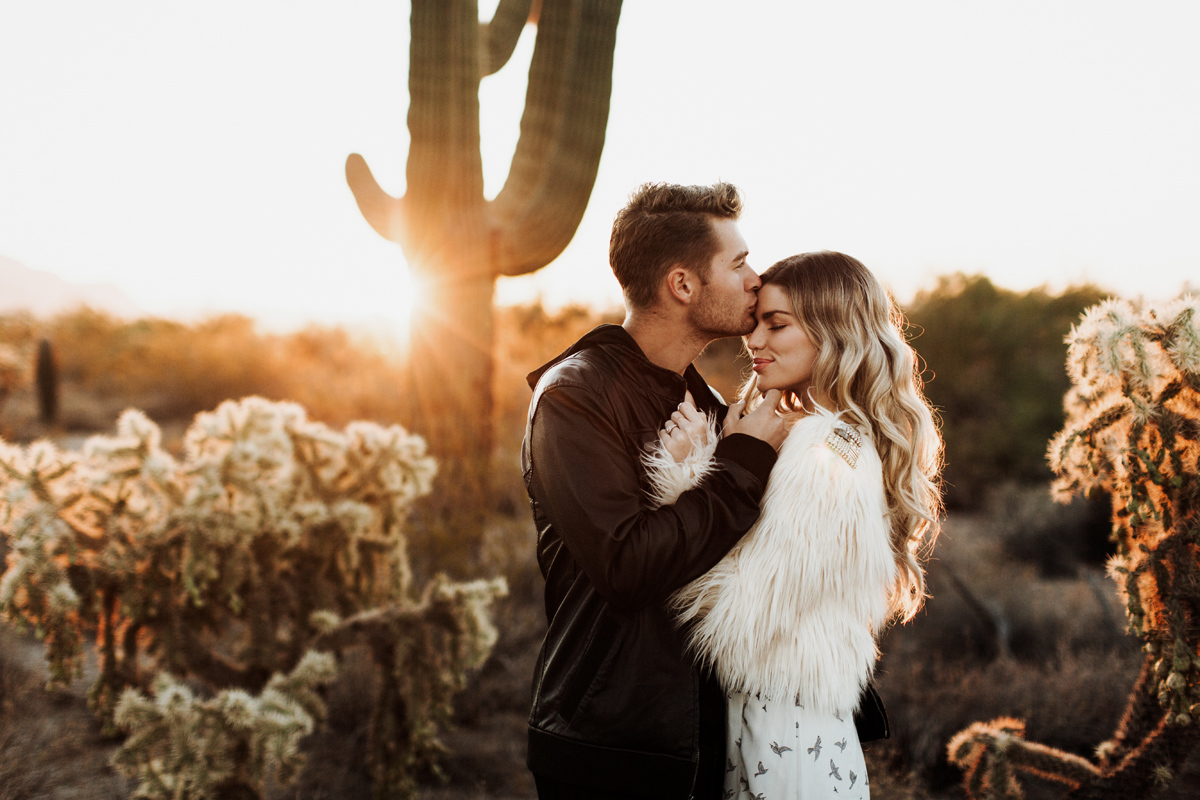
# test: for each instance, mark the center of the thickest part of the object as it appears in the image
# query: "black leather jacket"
(616, 701)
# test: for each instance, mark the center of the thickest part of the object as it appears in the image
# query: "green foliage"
(994, 362)
(273, 535)
(1133, 431)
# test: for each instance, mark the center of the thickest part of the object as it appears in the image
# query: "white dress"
(792, 612)
(780, 751)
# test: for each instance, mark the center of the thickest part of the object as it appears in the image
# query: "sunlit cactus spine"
(46, 378)
(271, 537)
(455, 241)
(1132, 430)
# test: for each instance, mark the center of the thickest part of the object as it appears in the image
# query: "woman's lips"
(759, 363)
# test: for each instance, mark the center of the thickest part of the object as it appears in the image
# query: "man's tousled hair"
(662, 225)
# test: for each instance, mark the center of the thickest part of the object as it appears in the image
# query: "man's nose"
(753, 283)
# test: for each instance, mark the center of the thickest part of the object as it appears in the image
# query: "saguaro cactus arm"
(498, 37)
(562, 134)
(384, 212)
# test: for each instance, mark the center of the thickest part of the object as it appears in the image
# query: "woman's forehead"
(773, 300)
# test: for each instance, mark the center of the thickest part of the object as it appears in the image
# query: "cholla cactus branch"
(1132, 430)
(181, 747)
(226, 567)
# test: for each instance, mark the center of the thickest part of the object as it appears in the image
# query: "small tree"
(273, 537)
(997, 361)
(1132, 430)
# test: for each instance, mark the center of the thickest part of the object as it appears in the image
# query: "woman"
(789, 618)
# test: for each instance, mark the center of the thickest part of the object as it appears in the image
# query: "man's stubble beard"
(715, 322)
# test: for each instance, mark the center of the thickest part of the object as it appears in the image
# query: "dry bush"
(998, 637)
(1072, 702)
(1054, 537)
(174, 370)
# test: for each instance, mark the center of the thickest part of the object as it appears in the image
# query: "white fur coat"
(793, 609)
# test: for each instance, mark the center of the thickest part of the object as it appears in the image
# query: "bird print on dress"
(729, 765)
(853, 778)
(758, 796)
(833, 770)
(841, 745)
(761, 770)
(816, 749)
(779, 749)
(729, 793)
(745, 783)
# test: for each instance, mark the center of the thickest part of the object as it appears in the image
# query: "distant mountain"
(44, 294)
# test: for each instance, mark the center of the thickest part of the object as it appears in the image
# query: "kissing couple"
(717, 576)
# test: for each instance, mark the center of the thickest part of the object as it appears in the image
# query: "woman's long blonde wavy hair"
(866, 369)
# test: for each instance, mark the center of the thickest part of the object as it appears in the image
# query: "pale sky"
(192, 153)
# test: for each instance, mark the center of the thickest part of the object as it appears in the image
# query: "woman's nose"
(755, 341)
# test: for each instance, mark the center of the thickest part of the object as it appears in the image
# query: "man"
(619, 709)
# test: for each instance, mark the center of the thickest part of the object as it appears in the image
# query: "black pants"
(556, 790)
(710, 777)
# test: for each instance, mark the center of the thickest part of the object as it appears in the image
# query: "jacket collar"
(614, 337)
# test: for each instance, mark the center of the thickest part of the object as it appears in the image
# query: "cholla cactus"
(181, 746)
(273, 535)
(1133, 430)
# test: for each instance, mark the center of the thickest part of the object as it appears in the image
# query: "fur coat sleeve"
(794, 608)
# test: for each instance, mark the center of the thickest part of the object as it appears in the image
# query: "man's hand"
(763, 422)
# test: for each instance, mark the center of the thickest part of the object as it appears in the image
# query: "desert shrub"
(1057, 538)
(272, 537)
(1072, 701)
(171, 369)
(994, 369)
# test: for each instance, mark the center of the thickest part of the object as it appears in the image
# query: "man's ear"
(681, 284)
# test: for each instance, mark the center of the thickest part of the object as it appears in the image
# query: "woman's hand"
(764, 422)
(684, 430)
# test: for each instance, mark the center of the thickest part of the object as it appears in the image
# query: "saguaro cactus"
(46, 376)
(456, 242)
(1133, 430)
